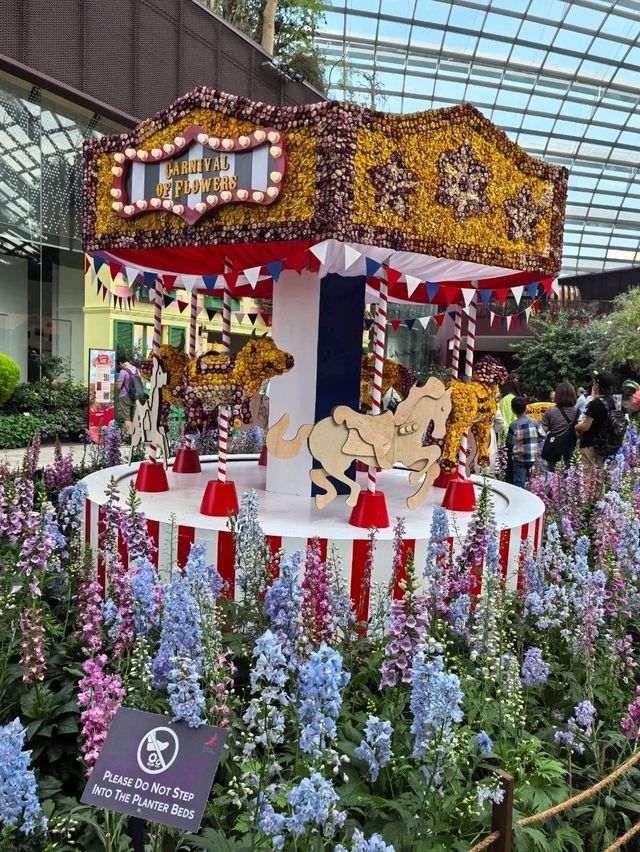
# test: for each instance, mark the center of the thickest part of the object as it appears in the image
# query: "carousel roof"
(220, 185)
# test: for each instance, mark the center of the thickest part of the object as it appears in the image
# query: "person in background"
(126, 405)
(509, 390)
(552, 396)
(522, 442)
(595, 417)
(581, 399)
(558, 422)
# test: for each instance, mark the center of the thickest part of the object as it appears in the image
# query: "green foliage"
(9, 377)
(623, 349)
(17, 430)
(46, 396)
(560, 348)
(54, 409)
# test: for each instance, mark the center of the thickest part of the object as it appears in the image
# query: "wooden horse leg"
(415, 499)
(355, 487)
(319, 478)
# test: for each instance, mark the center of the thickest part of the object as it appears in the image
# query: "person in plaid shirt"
(523, 442)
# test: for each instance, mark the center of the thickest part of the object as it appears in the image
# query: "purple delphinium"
(133, 528)
(535, 671)
(578, 725)
(111, 443)
(100, 696)
(406, 630)
(283, 607)
(316, 604)
(630, 723)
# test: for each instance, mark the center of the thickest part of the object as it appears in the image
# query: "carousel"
(323, 209)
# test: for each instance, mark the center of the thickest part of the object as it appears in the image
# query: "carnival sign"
(155, 769)
(197, 173)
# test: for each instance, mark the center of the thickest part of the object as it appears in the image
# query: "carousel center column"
(320, 322)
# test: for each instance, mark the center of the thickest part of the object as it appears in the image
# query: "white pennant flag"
(509, 322)
(467, 295)
(104, 274)
(517, 292)
(252, 275)
(189, 281)
(131, 273)
(239, 316)
(424, 321)
(527, 312)
(350, 256)
(412, 283)
(556, 287)
(320, 250)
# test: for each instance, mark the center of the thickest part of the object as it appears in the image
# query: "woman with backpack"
(130, 390)
(603, 428)
(559, 423)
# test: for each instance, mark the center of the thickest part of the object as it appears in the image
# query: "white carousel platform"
(289, 521)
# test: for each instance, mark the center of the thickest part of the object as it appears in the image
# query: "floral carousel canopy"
(220, 185)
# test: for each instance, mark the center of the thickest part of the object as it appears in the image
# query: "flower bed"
(342, 736)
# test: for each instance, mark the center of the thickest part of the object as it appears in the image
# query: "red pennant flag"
(547, 283)
(168, 281)
(296, 261)
(438, 318)
(393, 276)
(87, 263)
(104, 292)
(181, 305)
(115, 269)
(451, 295)
(311, 262)
(395, 324)
(266, 319)
(501, 295)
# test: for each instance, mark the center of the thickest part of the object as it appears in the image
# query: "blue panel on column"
(339, 349)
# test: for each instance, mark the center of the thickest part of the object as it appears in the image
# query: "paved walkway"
(14, 457)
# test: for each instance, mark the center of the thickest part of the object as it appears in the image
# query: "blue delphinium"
(181, 634)
(204, 580)
(251, 550)
(112, 619)
(436, 699)
(359, 843)
(19, 805)
(485, 742)
(146, 595)
(578, 725)
(493, 794)
(185, 695)
(71, 505)
(320, 682)
(264, 716)
(438, 555)
(312, 803)
(375, 748)
(535, 671)
(283, 606)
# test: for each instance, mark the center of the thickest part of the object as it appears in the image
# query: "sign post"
(153, 769)
(102, 388)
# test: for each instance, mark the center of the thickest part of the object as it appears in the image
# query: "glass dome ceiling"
(562, 79)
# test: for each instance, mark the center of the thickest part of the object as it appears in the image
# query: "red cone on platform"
(187, 461)
(460, 495)
(370, 511)
(220, 499)
(151, 477)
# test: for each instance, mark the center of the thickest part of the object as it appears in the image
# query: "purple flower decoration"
(524, 215)
(463, 183)
(392, 182)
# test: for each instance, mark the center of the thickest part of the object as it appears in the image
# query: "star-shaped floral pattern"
(393, 182)
(463, 182)
(524, 215)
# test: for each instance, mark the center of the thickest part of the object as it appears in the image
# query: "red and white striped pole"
(157, 342)
(224, 412)
(457, 338)
(193, 326)
(379, 338)
(468, 370)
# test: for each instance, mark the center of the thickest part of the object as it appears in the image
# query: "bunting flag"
(239, 316)
(168, 300)
(432, 289)
(501, 295)
(149, 279)
(438, 319)
(87, 263)
(320, 250)
(297, 261)
(368, 323)
(393, 276)
(98, 263)
(485, 296)
(412, 284)
(409, 324)
(209, 282)
(190, 282)
(395, 324)
(424, 321)
(467, 295)
(114, 269)
(350, 256)
(181, 305)
(556, 287)
(266, 319)
(211, 312)
(372, 266)
(252, 318)
(131, 274)
(517, 292)
(274, 269)
(532, 290)
(252, 275)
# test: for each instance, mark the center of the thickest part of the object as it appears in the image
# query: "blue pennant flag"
(167, 299)
(150, 278)
(274, 268)
(372, 266)
(409, 324)
(432, 289)
(485, 295)
(98, 263)
(532, 289)
(368, 323)
(210, 282)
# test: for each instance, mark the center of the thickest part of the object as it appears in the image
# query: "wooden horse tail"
(279, 446)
